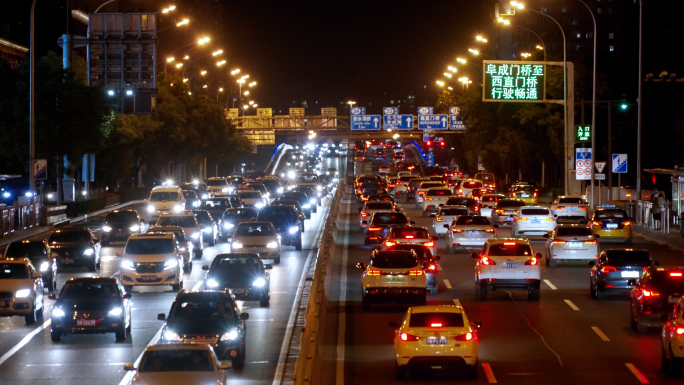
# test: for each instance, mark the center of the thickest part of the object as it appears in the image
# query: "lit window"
(611, 35)
(611, 48)
(599, 10)
(579, 35)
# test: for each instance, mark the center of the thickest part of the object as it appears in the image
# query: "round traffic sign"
(587, 163)
(579, 163)
(580, 171)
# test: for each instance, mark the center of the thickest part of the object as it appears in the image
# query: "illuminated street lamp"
(480, 38)
(235, 71)
(168, 9)
(461, 60)
(525, 54)
(351, 103)
(452, 69)
(246, 93)
(448, 75)
(473, 51)
(183, 22)
(179, 65)
(222, 62)
(440, 83)
(218, 52)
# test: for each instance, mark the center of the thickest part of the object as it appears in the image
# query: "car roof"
(436, 309)
(96, 279)
(179, 345)
(23, 261)
(151, 235)
(503, 240)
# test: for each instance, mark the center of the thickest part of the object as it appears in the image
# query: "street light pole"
(638, 154)
(593, 111)
(32, 104)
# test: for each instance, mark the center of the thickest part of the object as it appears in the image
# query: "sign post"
(583, 163)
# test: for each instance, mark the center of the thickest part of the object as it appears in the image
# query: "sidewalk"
(674, 238)
(37, 230)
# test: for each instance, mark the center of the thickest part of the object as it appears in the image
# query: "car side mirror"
(225, 365)
(161, 317)
(360, 265)
(129, 367)
(119, 253)
(474, 255)
(244, 316)
(205, 267)
(52, 296)
(445, 226)
(393, 324)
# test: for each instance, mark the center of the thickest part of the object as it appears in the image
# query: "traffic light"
(623, 106)
(429, 141)
(442, 144)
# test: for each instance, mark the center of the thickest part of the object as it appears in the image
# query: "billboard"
(513, 81)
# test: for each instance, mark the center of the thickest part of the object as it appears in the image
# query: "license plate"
(148, 278)
(67, 260)
(436, 341)
(508, 265)
(4, 304)
(571, 208)
(574, 245)
(611, 225)
(535, 221)
(473, 233)
(673, 299)
(385, 231)
(391, 278)
(86, 322)
(509, 218)
(525, 195)
(630, 274)
(239, 291)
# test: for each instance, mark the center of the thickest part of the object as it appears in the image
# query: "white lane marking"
(129, 374)
(24, 341)
(447, 284)
(549, 284)
(342, 328)
(439, 267)
(289, 328)
(457, 303)
(489, 373)
(637, 373)
(600, 334)
(572, 305)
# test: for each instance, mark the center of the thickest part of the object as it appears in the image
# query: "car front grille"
(149, 267)
(6, 295)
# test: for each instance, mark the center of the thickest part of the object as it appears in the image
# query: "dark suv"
(38, 252)
(380, 224)
(210, 317)
(76, 247)
(654, 297)
(244, 274)
(287, 222)
(120, 224)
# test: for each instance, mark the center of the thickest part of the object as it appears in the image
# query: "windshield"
(471, 184)
(121, 218)
(389, 218)
(628, 258)
(460, 201)
(510, 204)
(472, 220)
(149, 246)
(534, 212)
(69, 236)
(571, 200)
(379, 206)
(445, 192)
(394, 260)
(176, 360)
(20, 250)
(573, 231)
(436, 320)
(489, 199)
(204, 307)
(89, 289)
(236, 266)
(510, 249)
(215, 204)
(254, 230)
(217, 182)
(611, 214)
(409, 233)
(462, 211)
(271, 213)
(163, 196)
(249, 195)
(239, 214)
(185, 221)
(13, 271)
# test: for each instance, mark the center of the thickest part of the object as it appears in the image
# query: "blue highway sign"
(358, 111)
(433, 121)
(390, 110)
(398, 122)
(619, 163)
(425, 110)
(365, 122)
(430, 160)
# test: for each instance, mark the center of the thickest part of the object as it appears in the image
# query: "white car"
(403, 181)
(392, 277)
(22, 290)
(179, 363)
(467, 186)
(257, 237)
(252, 198)
(434, 198)
(487, 203)
(370, 207)
(438, 336)
(469, 232)
(151, 260)
(442, 220)
(569, 208)
(533, 221)
(672, 338)
(410, 235)
(571, 243)
(218, 186)
(422, 190)
(507, 263)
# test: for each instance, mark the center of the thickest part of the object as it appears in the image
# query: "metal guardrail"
(311, 349)
(17, 218)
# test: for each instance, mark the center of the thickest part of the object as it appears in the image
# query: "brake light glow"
(650, 293)
(409, 237)
(465, 337)
(594, 242)
(359, 192)
(558, 207)
(594, 223)
(374, 229)
(429, 244)
(608, 269)
(436, 325)
(627, 223)
(428, 199)
(364, 214)
(373, 273)
(582, 207)
(432, 267)
(679, 330)
(487, 261)
(509, 243)
(489, 230)
(457, 230)
(416, 273)
(439, 219)
(532, 261)
(499, 211)
(409, 337)
(549, 219)
(521, 219)
(675, 274)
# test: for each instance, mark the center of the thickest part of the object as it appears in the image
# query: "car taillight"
(439, 219)
(374, 229)
(499, 211)
(608, 269)
(409, 337)
(416, 273)
(466, 337)
(363, 198)
(429, 244)
(460, 191)
(582, 207)
(680, 329)
(550, 219)
(532, 261)
(457, 230)
(558, 207)
(432, 267)
(558, 242)
(521, 219)
(487, 261)
(627, 223)
(594, 223)
(359, 192)
(675, 274)
(390, 244)
(373, 273)
(650, 293)
(477, 208)
(409, 237)
(428, 199)
(535, 194)
(510, 243)
(594, 242)
(436, 325)
(364, 214)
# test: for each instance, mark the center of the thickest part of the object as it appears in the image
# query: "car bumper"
(402, 295)
(114, 235)
(574, 255)
(84, 260)
(166, 277)
(70, 326)
(468, 242)
(613, 235)
(447, 357)
(249, 293)
(520, 284)
(14, 307)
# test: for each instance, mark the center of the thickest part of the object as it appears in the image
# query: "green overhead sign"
(583, 133)
(513, 81)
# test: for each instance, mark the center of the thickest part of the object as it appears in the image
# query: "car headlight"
(89, 252)
(106, 228)
(171, 336)
(212, 283)
(195, 235)
(280, 190)
(225, 189)
(313, 201)
(57, 312)
(127, 264)
(228, 225)
(259, 205)
(134, 228)
(44, 266)
(151, 209)
(272, 245)
(207, 229)
(294, 229)
(236, 245)
(170, 264)
(177, 208)
(306, 206)
(259, 282)
(319, 188)
(117, 311)
(205, 196)
(230, 336)
(23, 293)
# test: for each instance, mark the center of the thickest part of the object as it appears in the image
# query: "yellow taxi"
(609, 223)
(527, 193)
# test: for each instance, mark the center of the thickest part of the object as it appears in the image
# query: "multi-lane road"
(565, 338)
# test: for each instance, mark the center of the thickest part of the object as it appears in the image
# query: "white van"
(164, 200)
(151, 259)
